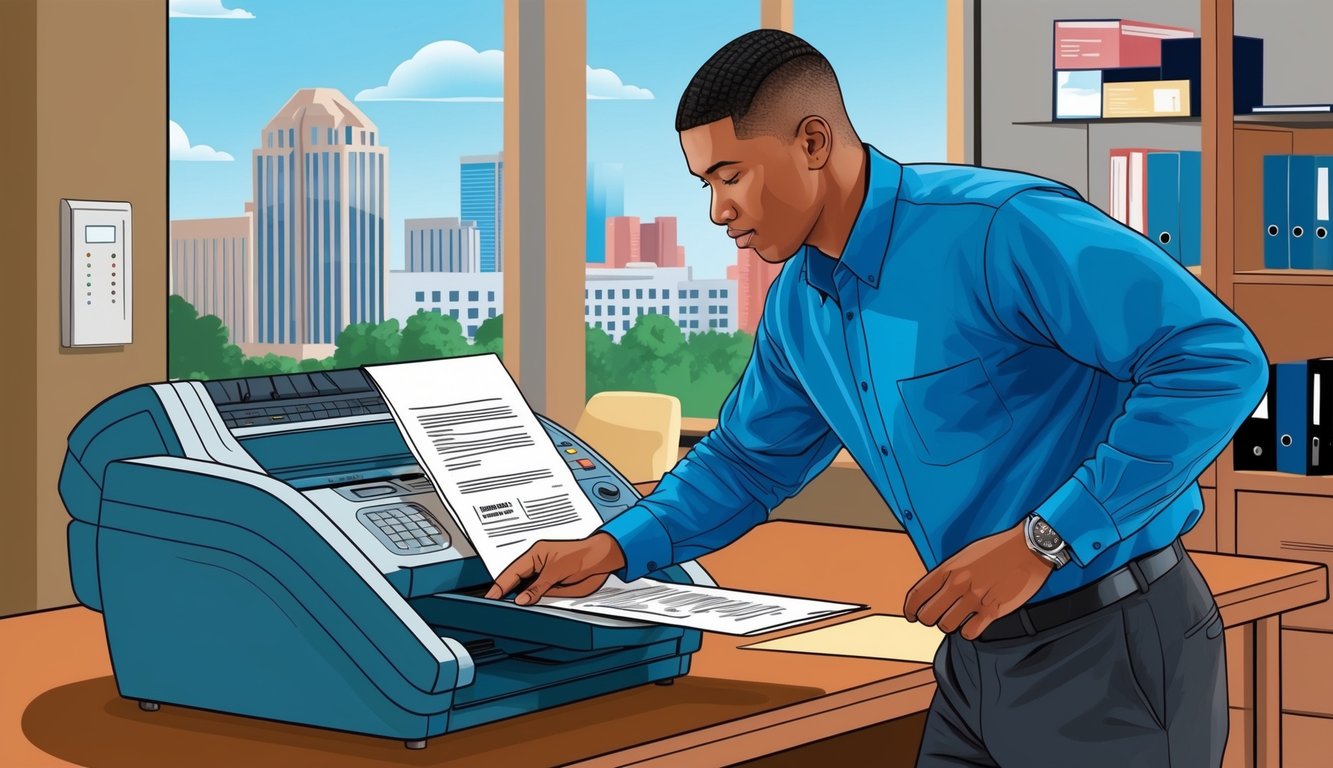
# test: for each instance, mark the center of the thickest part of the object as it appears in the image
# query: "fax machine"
(268, 546)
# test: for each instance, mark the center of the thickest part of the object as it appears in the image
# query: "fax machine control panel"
(405, 527)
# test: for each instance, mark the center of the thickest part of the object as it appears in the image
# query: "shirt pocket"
(955, 412)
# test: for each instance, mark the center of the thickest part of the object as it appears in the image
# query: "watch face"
(1045, 536)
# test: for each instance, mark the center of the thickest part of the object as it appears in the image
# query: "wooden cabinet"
(1307, 742)
(1291, 527)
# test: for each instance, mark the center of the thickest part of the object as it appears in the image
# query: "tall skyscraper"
(481, 199)
(213, 268)
(753, 278)
(657, 243)
(442, 245)
(606, 198)
(622, 241)
(321, 200)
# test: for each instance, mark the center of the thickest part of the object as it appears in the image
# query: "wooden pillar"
(775, 14)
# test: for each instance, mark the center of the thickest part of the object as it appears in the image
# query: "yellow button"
(571, 450)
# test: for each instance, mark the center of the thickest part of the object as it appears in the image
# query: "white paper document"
(711, 609)
(490, 459)
(507, 487)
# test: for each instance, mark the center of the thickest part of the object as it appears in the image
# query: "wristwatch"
(1045, 542)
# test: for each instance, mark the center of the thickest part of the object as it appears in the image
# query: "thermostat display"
(96, 273)
(99, 234)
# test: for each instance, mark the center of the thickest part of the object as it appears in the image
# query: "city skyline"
(213, 109)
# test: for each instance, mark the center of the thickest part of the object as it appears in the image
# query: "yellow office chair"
(638, 432)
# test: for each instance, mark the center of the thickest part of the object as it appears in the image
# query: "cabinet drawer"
(1203, 536)
(1307, 678)
(1289, 527)
(1240, 682)
(1305, 741)
(1240, 736)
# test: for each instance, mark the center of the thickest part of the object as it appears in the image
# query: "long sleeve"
(769, 442)
(1060, 273)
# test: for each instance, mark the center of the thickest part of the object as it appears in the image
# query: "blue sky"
(229, 76)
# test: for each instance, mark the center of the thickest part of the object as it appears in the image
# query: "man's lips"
(741, 236)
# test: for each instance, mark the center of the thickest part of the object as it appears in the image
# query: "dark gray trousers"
(1138, 684)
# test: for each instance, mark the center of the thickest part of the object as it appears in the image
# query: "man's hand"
(986, 580)
(560, 568)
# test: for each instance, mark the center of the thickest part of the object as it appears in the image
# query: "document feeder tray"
(268, 547)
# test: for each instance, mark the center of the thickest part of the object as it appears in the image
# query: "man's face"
(763, 190)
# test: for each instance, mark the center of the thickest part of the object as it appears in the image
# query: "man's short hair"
(747, 78)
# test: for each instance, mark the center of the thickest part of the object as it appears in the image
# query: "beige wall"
(86, 117)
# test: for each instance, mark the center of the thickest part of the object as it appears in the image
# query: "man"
(1032, 387)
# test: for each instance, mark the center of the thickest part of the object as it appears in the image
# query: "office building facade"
(657, 243)
(606, 199)
(468, 297)
(614, 298)
(321, 203)
(622, 241)
(442, 245)
(481, 199)
(213, 267)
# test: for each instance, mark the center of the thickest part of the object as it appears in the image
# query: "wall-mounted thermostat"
(96, 273)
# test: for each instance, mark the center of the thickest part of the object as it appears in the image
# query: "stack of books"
(1118, 68)
(1296, 212)
(1159, 194)
(1288, 431)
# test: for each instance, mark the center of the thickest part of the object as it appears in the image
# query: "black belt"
(1134, 576)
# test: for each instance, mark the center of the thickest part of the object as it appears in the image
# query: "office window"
(722, 310)
(640, 311)
(347, 135)
(473, 313)
(712, 293)
(638, 293)
(314, 136)
(473, 295)
(597, 294)
(596, 310)
(291, 137)
(712, 323)
(652, 293)
(435, 310)
(372, 138)
(331, 137)
(490, 311)
(472, 330)
(666, 293)
(490, 295)
(624, 310)
(664, 310)
(624, 293)
(722, 293)
(434, 295)
(722, 323)
(453, 313)
(453, 295)
(421, 296)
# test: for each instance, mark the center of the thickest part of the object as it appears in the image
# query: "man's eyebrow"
(719, 164)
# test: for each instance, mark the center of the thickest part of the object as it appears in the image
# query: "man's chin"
(774, 255)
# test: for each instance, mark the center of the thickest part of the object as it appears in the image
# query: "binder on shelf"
(1256, 439)
(1128, 200)
(1103, 43)
(1300, 211)
(1293, 395)
(1182, 60)
(1078, 93)
(1322, 242)
(1190, 207)
(1321, 424)
(1164, 201)
(1276, 252)
(1146, 98)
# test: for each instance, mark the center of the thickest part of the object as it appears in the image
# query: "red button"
(586, 463)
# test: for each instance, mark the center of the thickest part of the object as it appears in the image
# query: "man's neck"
(848, 172)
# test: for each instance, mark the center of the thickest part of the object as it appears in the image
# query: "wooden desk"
(59, 705)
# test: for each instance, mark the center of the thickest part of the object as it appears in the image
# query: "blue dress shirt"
(989, 345)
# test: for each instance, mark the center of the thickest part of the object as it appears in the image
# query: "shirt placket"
(850, 294)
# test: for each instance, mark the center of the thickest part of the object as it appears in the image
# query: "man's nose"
(722, 212)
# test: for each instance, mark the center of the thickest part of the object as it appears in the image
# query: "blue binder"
(1191, 207)
(1300, 211)
(1276, 253)
(1322, 244)
(1293, 399)
(1164, 201)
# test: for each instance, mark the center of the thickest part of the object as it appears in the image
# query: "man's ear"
(816, 140)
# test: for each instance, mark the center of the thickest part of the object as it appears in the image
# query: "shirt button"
(884, 450)
(652, 565)
(850, 315)
(865, 387)
(907, 515)
(1096, 545)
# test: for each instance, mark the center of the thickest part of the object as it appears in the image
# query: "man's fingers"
(930, 613)
(957, 613)
(923, 591)
(973, 627)
(545, 580)
(510, 578)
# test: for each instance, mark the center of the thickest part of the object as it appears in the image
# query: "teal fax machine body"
(269, 547)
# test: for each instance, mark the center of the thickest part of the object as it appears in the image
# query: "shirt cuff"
(1079, 519)
(642, 540)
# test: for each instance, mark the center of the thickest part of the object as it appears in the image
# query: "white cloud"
(180, 148)
(449, 70)
(204, 9)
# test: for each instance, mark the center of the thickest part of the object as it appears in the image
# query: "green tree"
(429, 335)
(367, 343)
(269, 365)
(490, 336)
(603, 370)
(716, 363)
(197, 346)
(654, 357)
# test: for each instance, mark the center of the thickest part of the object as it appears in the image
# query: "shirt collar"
(868, 245)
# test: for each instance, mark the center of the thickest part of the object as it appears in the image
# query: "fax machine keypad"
(405, 529)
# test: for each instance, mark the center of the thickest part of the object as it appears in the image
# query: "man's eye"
(731, 180)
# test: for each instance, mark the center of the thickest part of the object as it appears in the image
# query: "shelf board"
(1083, 123)
(1281, 482)
(1286, 277)
(1289, 119)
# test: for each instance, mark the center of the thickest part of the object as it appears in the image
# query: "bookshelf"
(1257, 513)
